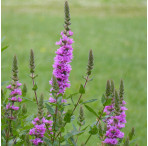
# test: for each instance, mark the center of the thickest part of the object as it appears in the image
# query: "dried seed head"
(40, 107)
(32, 65)
(67, 17)
(15, 69)
(90, 63)
(108, 88)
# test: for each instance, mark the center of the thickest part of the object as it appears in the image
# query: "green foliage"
(91, 110)
(67, 117)
(82, 89)
(49, 108)
(93, 130)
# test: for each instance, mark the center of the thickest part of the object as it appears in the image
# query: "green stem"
(34, 90)
(76, 104)
(96, 124)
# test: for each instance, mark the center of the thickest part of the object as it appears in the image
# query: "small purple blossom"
(37, 141)
(39, 129)
(52, 100)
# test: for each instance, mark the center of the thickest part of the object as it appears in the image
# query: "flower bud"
(117, 106)
(40, 107)
(14, 69)
(32, 65)
(112, 88)
(90, 63)
(81, 117)
(55, 84)
(121, 91)
(67, 17)
(132, 133)
(24, 109)
(24, 90)
(108, 88)
(126, 143)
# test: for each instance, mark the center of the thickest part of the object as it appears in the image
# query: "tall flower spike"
(32, 65)
(64, 55)
(121, 91)
(90, 63)
(15, 69)
(108, 88)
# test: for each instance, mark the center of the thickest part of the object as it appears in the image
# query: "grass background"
(115, 30)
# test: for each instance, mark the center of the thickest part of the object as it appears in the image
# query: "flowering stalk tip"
(32, 65)
(90, 63)
(108, 89)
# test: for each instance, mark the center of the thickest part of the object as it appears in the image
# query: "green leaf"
(91, 110)
(67, 117)
(93, 130)
(103, 99)
(81, 90)
(71, 95)
(35, 87)
(89, 101)
(4, 48)
(47, 141)
(49, 108)
(108, 102)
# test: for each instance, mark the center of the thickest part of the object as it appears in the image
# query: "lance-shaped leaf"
(91, 110)
(49, 108)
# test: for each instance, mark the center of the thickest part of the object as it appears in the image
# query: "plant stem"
(96, 124)
(78, 136)
(76, 104)
(34, 90)
(80, 96)
(56, 111)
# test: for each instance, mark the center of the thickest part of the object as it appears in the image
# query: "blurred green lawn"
(115, 30)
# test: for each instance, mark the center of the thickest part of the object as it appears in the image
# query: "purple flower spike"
(61, 64)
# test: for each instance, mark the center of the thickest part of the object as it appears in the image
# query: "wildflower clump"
(117, 117)
(40, 124)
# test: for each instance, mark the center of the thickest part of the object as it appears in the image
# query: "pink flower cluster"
(39, 129)
(61, 64)
(115, 124)
(15, 91)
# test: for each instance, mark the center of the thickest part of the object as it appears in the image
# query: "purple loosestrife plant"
(48, 126)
